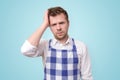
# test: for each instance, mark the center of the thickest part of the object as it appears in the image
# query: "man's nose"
(58, 27)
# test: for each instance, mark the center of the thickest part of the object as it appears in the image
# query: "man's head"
(59, 23)
(54, 11)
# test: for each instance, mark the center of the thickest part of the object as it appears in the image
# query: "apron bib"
(62, 64)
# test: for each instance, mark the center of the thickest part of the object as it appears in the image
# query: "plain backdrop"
(95, 22)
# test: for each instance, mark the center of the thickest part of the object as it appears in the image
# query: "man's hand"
(46, 21)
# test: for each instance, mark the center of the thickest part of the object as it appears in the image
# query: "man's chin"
(60, 37)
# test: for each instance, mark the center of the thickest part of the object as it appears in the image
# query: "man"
(63, 57)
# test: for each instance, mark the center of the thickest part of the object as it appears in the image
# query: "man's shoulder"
(44, 42)
(81, 47)
(80, 44)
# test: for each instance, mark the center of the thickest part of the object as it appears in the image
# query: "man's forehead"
(57, 18)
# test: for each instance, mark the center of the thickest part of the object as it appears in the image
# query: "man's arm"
(36, 36)
(86, 72)
(31, 45)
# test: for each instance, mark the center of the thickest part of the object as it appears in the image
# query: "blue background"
(95, 22)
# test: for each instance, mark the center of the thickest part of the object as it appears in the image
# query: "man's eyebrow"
(53, 24)
(61, 22)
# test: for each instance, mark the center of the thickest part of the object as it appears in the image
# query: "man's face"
(59, 26)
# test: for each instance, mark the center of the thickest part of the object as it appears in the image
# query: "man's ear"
(68, 23)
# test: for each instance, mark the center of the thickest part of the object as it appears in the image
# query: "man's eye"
(61, 22)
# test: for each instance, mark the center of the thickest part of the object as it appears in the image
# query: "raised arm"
(30, 46)
(36, 36)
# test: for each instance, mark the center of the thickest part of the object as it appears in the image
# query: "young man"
(63, 57)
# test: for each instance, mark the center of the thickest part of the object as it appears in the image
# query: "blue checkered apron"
(62, 64)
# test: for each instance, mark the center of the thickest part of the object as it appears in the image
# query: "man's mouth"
(59, 33)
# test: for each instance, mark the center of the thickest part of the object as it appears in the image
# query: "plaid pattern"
(62, 64)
